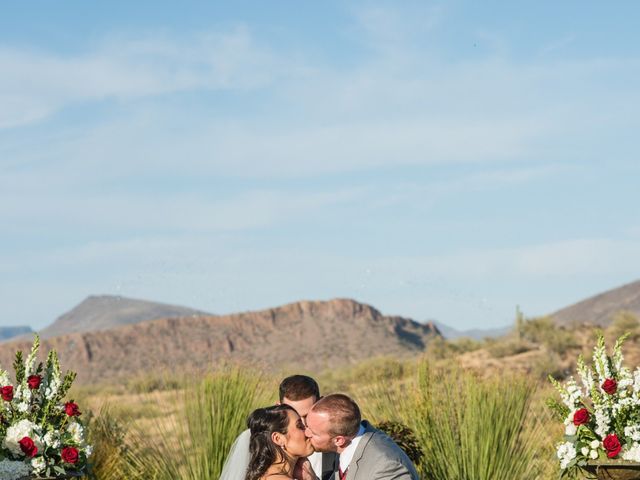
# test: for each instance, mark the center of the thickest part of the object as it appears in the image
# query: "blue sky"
(438, 160)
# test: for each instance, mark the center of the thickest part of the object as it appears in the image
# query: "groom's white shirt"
(235, 467)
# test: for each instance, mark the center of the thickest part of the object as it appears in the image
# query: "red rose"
(28, 447)
(610, 386)
(581, 417)
(72, 409)
(70, 455)
(34, 381)
(612, 445)
(7, 393)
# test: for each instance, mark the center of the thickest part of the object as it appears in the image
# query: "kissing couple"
(308, 437)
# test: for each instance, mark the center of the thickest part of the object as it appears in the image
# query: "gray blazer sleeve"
(392, 471)
(235, 467)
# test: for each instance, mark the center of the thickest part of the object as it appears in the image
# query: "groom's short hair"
(344, 414)
(299, 387)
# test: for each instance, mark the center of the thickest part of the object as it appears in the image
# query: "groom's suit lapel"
(357, 456)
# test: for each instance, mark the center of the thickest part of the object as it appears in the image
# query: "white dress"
(235, 467)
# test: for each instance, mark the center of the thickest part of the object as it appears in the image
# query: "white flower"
(38, 464)
(88, 450)
(12, 470)
(602, 423)
(594, 444)
(584, 451)
(566, 452)
(633, 431)
(570, 430)
(75, 429)
(23, 407)
(15, 433)
(594, 454)
(632, 453)
(51, 439)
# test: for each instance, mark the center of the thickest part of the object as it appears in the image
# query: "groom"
(299, 392)
(334, 424)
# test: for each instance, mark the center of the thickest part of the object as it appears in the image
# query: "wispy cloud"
(38, 83)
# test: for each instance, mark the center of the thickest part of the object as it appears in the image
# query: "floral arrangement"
(40, 434)
(601, 414)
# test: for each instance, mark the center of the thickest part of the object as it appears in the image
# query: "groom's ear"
(339, 441)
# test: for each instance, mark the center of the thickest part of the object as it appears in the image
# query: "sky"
(443, 161)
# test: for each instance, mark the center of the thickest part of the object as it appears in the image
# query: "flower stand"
(614, 470)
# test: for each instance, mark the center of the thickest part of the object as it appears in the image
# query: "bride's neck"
(284, 467)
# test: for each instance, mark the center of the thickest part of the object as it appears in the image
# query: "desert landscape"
(149, 372)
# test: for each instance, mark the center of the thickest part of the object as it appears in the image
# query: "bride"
(278, 446)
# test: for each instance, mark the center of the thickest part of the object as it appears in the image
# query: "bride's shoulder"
(276, 476)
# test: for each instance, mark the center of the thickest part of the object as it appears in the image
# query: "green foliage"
(439, 348)
(625, 322)
(405, 438)
(507, 347)
(210, 416)
(154, 383)
(378, 370)
(545, 332)
(481, 427)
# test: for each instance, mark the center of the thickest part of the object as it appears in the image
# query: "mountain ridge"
(307, 335)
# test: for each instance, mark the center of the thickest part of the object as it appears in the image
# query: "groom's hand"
(303, 470)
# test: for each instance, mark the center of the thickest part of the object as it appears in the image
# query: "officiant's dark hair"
(262, 451)
(299, 387)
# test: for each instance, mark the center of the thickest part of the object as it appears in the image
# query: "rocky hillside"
(309, 336)
(106, 311)
(600, 309)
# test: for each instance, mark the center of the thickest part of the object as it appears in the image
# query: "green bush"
(475, 429)
(544, 331)
(405, 438)
(507, 347)
(625, 322)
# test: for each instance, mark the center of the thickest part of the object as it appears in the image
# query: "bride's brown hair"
(263, 451)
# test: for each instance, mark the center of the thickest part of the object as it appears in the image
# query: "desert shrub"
(405, 438)
(507, 347)
(154, 383)
(118, 450)
(481, 427)
(377, 370)
(440, 348)
(550, 364)
(545, 332)
(625, 322)
(211, 414)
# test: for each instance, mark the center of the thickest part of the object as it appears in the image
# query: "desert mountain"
(309, 336)
(600, 309)
(106, 311)
(10, 332)
(451, 333)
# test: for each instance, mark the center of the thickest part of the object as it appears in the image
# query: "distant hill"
(451, 333)
(106, 311)
(309, 336)
(600, 309)
(11, 332)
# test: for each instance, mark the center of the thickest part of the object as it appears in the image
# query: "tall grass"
(476, 429)
(209, 417)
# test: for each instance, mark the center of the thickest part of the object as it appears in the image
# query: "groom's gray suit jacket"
(377, 457)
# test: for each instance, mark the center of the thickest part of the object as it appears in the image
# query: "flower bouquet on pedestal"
(601, 415)
(41, 435)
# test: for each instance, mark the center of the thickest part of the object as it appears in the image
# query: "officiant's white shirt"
(235, 468)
